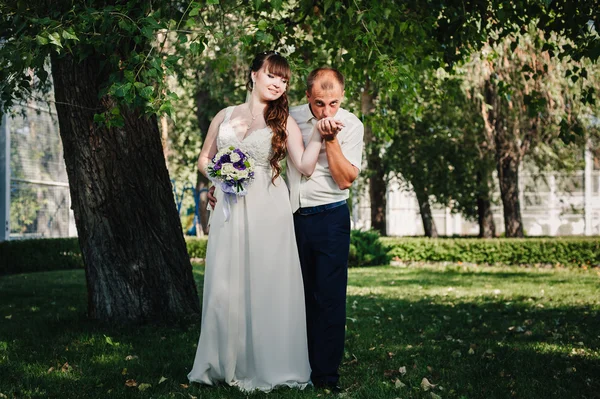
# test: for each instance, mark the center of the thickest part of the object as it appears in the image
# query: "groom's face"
(325, 96)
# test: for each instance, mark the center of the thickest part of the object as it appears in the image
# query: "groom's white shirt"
(320, 188)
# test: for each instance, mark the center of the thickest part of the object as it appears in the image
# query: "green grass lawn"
(473, 332)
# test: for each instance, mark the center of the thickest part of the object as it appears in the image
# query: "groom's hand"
(212, 200)
(329, 128)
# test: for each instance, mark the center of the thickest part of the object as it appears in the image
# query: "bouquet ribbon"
(228, 199)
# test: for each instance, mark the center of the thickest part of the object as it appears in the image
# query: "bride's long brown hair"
(277, 111)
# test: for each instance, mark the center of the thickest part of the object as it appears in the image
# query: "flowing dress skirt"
(253, 332)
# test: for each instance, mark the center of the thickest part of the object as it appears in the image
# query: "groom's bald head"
(326, 78)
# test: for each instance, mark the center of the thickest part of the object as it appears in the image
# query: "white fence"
(552, 205)
(34, 189)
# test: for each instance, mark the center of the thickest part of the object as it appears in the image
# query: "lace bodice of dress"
(257, 144)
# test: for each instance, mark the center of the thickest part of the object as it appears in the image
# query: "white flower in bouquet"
(235, 157)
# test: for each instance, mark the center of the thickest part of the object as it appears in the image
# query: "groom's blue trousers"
(323, 237)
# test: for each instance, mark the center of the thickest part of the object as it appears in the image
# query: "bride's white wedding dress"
(253, 332)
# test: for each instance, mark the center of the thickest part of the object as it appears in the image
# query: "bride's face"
(267, 85)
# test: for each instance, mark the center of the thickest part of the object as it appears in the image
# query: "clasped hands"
(329, 128)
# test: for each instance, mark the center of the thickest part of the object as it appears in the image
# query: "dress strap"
(228, 112)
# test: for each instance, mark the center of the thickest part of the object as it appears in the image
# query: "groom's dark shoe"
(334, 387)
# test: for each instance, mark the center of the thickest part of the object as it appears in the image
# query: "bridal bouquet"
(232, 170)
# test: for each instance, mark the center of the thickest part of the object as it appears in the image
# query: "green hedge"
(38, 255)
(24, 256)
(196, 247)
(367, 248)
(528, 251)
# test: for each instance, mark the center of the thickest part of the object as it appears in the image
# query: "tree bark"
(487, 226)
(501, 134)
(136, 262)
(377, 181)
(508, 175)
(425, 210)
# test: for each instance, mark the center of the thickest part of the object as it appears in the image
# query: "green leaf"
(69, 35)
(262, 24)
(99, 118)
(110, 341)
(148, 32)
(123, 90)
(55, 39)
(196, 48)
(212, 2)
(147, 92)
(194, 11)
(41, 40)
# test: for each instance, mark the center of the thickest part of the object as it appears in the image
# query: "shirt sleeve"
(352, 145)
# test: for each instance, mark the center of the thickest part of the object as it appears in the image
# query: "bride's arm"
(304, 159)
(209, 148)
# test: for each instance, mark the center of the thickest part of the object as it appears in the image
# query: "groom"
(322, 219)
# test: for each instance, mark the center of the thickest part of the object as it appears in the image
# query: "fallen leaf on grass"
(389, 373)
(124, 372)
(3, 396)
(471, 351)
(131, 357)
(144, 386)
(110, 341)
(426, 385)
(399, 384)
(65, 367)
(184, 386)
(131, 383)
(51, 369)
(434, 396)
(162, 379)
(402, 370)
(8, 317)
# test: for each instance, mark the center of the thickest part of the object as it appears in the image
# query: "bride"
(253, 332)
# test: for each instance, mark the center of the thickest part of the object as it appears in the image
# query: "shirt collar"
(307, 115)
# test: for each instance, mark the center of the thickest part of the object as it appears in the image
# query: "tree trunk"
(136, 262)
(508, 175)
(377, 183)
(425, 210)
(487, 226)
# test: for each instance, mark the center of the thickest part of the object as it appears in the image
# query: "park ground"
(413, 331)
